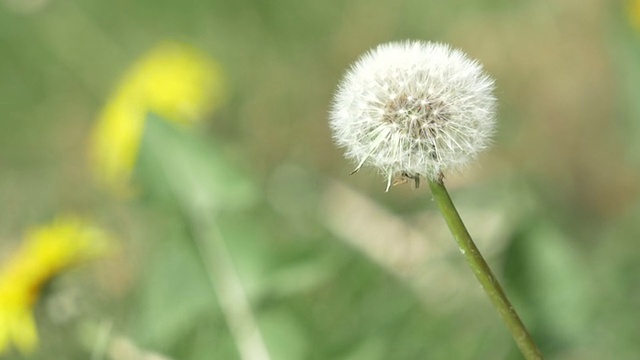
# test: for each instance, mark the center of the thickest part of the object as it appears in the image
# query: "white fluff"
(413, 109)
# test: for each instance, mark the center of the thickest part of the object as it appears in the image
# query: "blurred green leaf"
(301, 276)
(176, 164)
(209, 338)
(174, 294)
(284, 335)
(371, 349)
(553, 283)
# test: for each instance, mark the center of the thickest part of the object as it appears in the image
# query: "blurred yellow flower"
(633, 11)
(174, 81)
(46, 251)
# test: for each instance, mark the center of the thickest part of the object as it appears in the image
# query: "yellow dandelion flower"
(46, 251)
(174, 81)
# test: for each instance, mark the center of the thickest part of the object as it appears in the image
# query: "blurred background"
(235, 230)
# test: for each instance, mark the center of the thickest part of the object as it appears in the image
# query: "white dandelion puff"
(413, 109)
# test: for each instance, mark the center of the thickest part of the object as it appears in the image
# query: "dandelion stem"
(483, 273)
(223, 275)
(102, 340)
(226, 282)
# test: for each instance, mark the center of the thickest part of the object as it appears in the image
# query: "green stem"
(223, 275)
(483, 273)
(227, 284)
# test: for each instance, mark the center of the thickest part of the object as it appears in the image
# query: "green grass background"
(335, 268)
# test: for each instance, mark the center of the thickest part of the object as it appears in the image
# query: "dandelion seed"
(413, 109)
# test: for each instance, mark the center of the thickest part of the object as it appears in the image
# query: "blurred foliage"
(331, 272)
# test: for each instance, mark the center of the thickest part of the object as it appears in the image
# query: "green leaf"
(177, 165)
(284, 335)
(174, 294)
(552, 281)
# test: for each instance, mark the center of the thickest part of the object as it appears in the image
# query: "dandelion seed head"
(415, 108)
